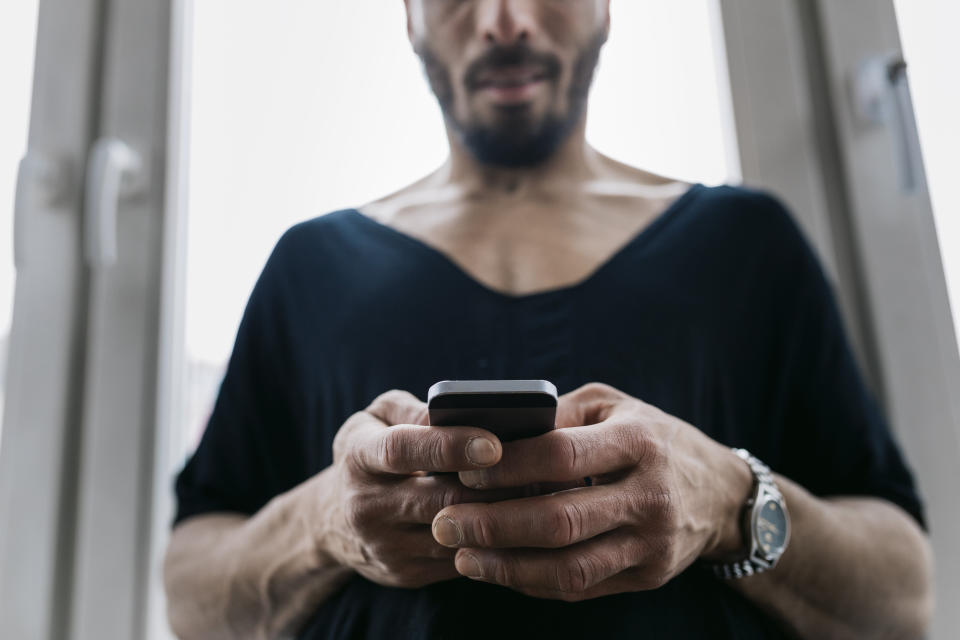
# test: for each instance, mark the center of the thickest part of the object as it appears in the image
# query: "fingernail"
(469, 566)
(475, 479)
(447, 532)
(481, 451)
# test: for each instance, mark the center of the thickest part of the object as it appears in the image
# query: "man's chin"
(517, 139)
(505, 149)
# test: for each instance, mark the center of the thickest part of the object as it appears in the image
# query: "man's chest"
(524, 251)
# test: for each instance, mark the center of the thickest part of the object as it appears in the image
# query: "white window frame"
(41, 423)
(77, 467)
(792, 66)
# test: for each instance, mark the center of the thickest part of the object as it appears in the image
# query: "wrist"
(314, 504)
(735, 486)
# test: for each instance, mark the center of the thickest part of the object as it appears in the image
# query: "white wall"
(931, 45)
(18, 30)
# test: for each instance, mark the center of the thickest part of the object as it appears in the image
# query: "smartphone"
(510, 409)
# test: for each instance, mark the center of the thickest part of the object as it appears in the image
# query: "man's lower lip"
(519, 93)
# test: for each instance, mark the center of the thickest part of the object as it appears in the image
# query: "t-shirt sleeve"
(248, 451)
(837, 439)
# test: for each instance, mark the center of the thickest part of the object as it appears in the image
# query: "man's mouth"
(508, 77)
(511, 85)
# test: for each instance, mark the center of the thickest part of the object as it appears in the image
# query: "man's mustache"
(511, 56)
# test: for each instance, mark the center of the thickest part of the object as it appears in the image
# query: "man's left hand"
(663, 495)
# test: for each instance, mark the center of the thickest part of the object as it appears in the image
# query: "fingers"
(399, 407)
(406, 448)
(413, 543)
(409, 573)
(392, 436)
(573, 570)
(625, 581)
(556, 520)
(588, 404)
(421, 498)
(564, 455)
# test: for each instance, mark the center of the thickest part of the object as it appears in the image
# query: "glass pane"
(303, 107)
(931, 49)
(18, 32)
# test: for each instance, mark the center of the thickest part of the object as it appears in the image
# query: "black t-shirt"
(717, 312)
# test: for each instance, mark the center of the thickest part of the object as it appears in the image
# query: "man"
(681, 320)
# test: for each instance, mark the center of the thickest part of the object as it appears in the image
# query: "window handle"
(881, 98)
(115, 171)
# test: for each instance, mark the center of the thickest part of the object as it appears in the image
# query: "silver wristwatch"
(765, 522)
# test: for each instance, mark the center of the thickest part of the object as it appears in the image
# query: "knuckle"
(356, 515)
(391, 398)
(567, 454)
(568, 524)
(595, 388)
(642, 446)
(635, 551)
(598, 393)
(392, 449)
(575, 575)
(504, 573)
(655, 578)
(660, 504)
(411, 506)
(435, 449)
(343, 441)
(396, 406)
(647, 582)
(434, 504)
(634, 441)
(483, 531)
(450, 496)
(659, 570)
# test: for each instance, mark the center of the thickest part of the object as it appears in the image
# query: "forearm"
(854, 568)
(228, 576)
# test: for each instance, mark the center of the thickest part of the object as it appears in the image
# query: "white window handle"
(115, 171)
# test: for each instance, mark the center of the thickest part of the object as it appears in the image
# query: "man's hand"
(376, 518)
(664, 494)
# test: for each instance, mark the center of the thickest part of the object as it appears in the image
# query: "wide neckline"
(638, 239)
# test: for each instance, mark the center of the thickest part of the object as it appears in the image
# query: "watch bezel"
(764, 496)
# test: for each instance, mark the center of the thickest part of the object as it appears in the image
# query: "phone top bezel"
(444, 387)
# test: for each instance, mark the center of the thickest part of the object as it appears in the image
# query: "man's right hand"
(377, 505)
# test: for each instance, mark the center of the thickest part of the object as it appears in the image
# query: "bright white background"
(18, 25)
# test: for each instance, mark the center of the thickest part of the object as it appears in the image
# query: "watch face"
(770, 527)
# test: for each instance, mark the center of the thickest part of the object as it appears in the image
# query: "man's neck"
(574, 162)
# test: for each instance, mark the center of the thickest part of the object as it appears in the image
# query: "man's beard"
(517, 140)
